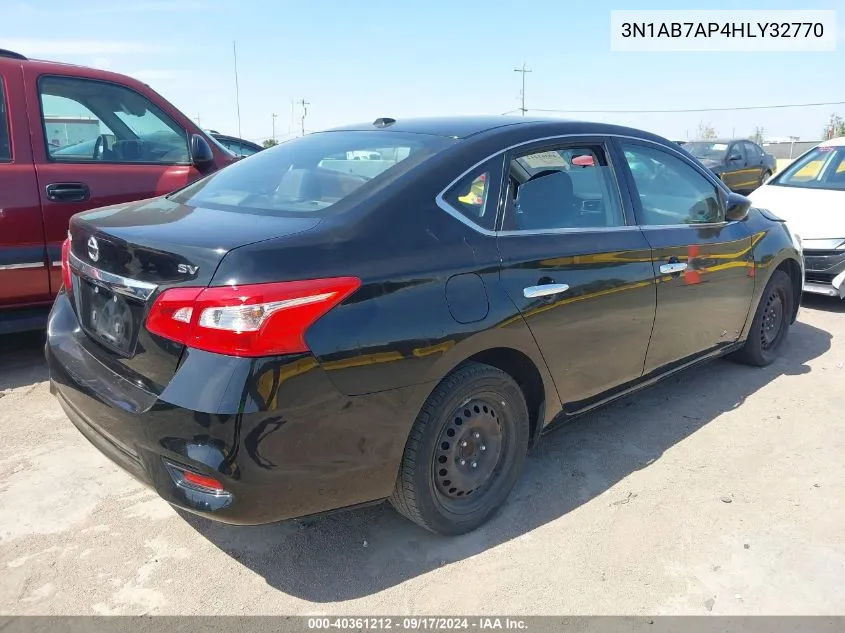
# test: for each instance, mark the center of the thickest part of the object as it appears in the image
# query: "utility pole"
(237, 90)
(304, 105)
(274, 126)
(522, 70)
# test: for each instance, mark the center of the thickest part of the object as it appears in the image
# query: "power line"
(524, 71)
(761, 107)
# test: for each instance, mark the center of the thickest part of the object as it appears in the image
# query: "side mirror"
(734, 157)
(201, 154)
(736, 207)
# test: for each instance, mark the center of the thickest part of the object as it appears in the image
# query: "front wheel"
(771, 323)
(766, 176)
(465, 451)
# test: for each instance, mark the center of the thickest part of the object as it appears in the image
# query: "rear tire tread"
(403, 498)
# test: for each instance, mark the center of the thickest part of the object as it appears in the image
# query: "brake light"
(251, 320)
(67, 280)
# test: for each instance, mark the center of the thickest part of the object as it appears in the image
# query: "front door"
(98, 144)
(23, 268)
(576, 267)
(703, 265)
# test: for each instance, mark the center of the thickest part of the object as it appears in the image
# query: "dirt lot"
(625, 511)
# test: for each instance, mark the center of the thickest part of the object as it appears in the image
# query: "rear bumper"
(292, 445)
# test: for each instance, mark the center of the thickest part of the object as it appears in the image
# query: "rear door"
(98, 143)
(23, 266)
(703, 264)
(576, 266)
(755, 163)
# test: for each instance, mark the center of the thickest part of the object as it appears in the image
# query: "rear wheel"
(771, 322)
(465, 451)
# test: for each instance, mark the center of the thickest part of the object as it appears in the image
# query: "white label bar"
(723, 31)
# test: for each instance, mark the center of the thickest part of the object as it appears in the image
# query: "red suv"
(73, 139)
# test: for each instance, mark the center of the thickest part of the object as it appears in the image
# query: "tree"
(759, 135)
(269, 142)
(706, 131)
(835, 127)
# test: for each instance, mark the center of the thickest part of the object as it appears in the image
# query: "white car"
(810, 196)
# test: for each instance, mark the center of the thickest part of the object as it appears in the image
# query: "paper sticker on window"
(477, 193)
(720, 147)
(545, 159)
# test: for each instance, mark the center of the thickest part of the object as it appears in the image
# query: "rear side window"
(473, 195)
(313, 173)
(566, 187)
(94, 121)
(5, 138)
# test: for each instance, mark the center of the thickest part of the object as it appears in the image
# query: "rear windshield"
(821, 168)
(313, 173)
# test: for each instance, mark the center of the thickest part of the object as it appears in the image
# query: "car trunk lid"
(123, 257)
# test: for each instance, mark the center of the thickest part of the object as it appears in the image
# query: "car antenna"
(384, 122)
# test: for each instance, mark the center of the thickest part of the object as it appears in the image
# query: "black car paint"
(301, 434)
(740, 171)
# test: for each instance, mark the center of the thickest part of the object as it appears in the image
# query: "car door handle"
(673, 267)
(532, 292)
(68, 192)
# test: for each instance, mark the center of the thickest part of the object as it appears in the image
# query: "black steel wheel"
(465, 451)
(771, 322)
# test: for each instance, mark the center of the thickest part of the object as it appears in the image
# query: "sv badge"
(187, 269)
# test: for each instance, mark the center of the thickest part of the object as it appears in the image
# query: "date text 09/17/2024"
(418, 623)
(725, 29)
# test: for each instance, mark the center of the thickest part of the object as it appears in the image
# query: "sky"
(357, 61)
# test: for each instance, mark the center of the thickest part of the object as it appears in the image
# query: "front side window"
(671, 191)
(821, 168)
(737, 153)
(5, 138)
(565, 187)
(753, 151)
(94, 121)
(313, 173)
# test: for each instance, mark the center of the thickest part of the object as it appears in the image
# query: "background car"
(810, 196)
(74, 138)
(306, 331)
(741, 164)
(237, 146)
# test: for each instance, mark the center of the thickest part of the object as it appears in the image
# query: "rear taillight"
(253, 320)
(66, 276)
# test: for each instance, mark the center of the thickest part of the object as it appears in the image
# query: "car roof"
(721, 140)
(839, 141)
(467, 126)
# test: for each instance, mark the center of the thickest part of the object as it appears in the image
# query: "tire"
(766, 175)
(771, 323)
(434, 489)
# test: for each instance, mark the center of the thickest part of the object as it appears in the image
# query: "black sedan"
(304, 331)
(237, 146)
(741, 164)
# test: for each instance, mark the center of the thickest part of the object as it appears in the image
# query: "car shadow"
(352, 554)
(820, 302)
(22, 360)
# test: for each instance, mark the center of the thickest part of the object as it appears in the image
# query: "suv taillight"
(66, 276)
(252, 320)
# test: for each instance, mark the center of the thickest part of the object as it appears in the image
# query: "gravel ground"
(719, 491)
